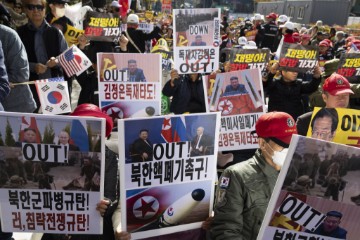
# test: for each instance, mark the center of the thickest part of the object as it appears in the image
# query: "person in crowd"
(324, 124)
(290, 88)
(305, 39)
(269, 33)
(187, 91)
(198, 41)
(288, 30)
(336, 94)
(20, 98)
(245, 188)
(4, 82)
(318, 38)
(339, 40)
(330, 227)
(43, 43)
(142, 149)
(134, 73)
(330, 67)
(229, 42)
(234, 87)
(136, 37)
(56, 17)
(9, 16)
(200, 143)
(115, 7)
(325, 52)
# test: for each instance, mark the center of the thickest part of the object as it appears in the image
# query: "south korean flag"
(54, 97)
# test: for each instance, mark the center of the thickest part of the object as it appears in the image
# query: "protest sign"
(102, 26)
(339, 125)
(315, 196)
(196, 40)
(298, 58)
(51, 173)
(238, 96)
(129, 84)
(349, 66)
(241, 59)
(167, 169)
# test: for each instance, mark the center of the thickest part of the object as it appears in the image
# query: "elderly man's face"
(322, 129)
(64, 138)
(199, 131)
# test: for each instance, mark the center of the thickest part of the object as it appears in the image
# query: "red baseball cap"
(324, 43)
(337, 84)
(278, 126)
(272, 15)
(91, 110)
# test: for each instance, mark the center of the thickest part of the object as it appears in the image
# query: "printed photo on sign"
(128, 85)
(50, 167)
(317, 192)
(167, 169)
(196, 40)
(335, 124)
(160, 207)
(238, 95)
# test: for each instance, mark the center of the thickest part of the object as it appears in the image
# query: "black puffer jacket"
(286, 96)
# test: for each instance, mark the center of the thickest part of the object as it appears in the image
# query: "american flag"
(69, 63)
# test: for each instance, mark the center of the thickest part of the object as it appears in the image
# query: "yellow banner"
(339, 125)
(71, 35)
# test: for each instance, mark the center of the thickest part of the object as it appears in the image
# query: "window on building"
(291, 12)
(301, 13)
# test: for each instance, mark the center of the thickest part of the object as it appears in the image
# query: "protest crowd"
(35, 38)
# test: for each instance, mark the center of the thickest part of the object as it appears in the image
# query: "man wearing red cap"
(245, 188)
(336, 94)
(325, 52)
(268, 33)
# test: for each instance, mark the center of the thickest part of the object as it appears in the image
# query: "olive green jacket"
(243, 193)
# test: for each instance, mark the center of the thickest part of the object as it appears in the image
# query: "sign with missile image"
(238, 96)
(129, 86)
(167, 172)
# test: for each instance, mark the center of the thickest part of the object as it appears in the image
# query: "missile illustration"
(147, 112)
(254, 95)
(177, 212)
(216, 93)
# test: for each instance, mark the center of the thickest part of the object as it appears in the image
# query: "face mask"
(59, 12)
(279, 157)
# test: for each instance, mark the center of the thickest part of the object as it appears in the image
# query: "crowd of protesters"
(32, 36)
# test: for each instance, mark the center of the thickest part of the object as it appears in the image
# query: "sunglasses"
(32, 7)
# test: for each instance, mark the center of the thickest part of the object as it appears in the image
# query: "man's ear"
(261, 143)
(324, 97)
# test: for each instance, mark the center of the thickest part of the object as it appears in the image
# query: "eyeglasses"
(320, 134)
(32, 7)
